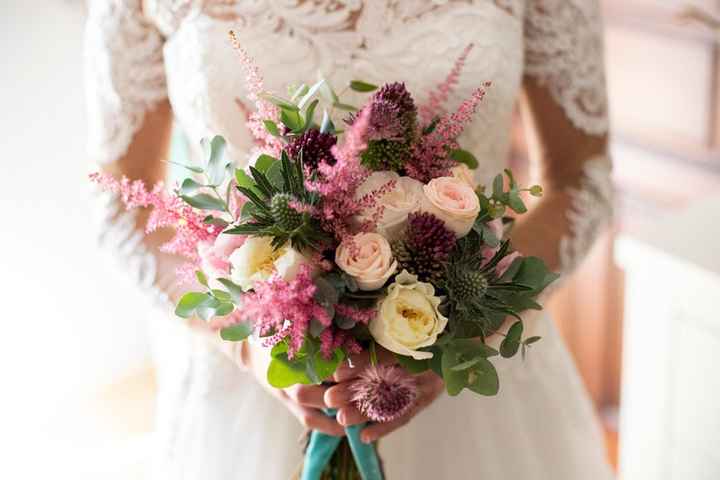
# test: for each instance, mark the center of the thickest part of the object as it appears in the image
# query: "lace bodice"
(141, 52)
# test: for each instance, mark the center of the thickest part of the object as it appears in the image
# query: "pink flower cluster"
(264, 110)
(339, 182)
(168, 210)
(431, 157)
(436, 99)
(384, 392)
(283, 309)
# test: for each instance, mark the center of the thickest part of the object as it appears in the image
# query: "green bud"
(536, 191)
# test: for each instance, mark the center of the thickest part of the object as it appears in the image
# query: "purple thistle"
(426, 247)
(316, 148)
(428, 236)
(384, 392)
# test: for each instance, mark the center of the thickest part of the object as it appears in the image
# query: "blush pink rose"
(454, 202)
(368, 260)
(215, 257)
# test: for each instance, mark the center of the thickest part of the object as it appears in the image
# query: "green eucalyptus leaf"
(234, 290)
(221, 295)
(533, 272)
(327, 93)
(215, 169)
(511, 343)
(325, 368)
(278, 101)
(225, 308)
(299, 92)
(454, 381)
(465, 365)
(271, 127)
(345, 106)
(292, 119)
(531, 340)
(311, 93)
(483, 378)
(310, 113)
(201, 278)
(189, 303)
(204, 201)
(188, 167)
(237, 332)
(498, 187)
(189, 186)
(515, 202)
(327, 125)
(463, 156)
(283, 372)
(360, 86)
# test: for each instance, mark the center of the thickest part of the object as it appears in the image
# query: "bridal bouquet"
(353, 226)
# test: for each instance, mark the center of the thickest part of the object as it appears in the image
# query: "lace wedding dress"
(214, 421)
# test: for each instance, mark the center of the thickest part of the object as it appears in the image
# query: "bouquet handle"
(321, 448)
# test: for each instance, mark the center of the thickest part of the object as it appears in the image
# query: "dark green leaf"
(360, 86)
(411, 365)
(291, 119)
(463, 156)
(264, 162)
(236, 333)
(274, 175)
(465, 365)
(531, 340)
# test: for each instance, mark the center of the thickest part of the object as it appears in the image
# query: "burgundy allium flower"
(426, 246)
(392, 113)
(384, 392)
(316, 147)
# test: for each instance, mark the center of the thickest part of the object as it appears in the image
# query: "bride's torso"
(293, 41)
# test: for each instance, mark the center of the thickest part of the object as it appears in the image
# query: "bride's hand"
(303, 401)
(429, 384)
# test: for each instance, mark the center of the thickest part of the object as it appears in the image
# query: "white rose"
(368, 260)
(256, 260)
(408, 317)
(397, 204)
(463, 172)
(454, 202)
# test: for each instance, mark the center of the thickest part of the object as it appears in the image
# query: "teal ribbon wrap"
(321, 448)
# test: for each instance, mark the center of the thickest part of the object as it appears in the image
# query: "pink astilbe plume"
(431, 157)
(355, 314)
(333, 338)
(338, 183)
(284, 309)
(168, 210)
(435, 105)
(384, 392)
(264, 109)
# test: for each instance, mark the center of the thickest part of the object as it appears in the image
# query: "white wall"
(70, 319)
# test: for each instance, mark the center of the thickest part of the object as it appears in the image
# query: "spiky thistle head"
(316, 148)
(384, 392)
(426, 247)
(283, 213)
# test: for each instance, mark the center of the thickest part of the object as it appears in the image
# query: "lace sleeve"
(124, 79)
(125, 75)
(564, 55)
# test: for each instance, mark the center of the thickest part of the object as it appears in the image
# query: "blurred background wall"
(78, 388)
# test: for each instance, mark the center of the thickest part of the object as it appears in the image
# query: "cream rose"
(463, 172)
(404, 199)
(257, 260)
(408, 317)
(368, 260)
(452, 201)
